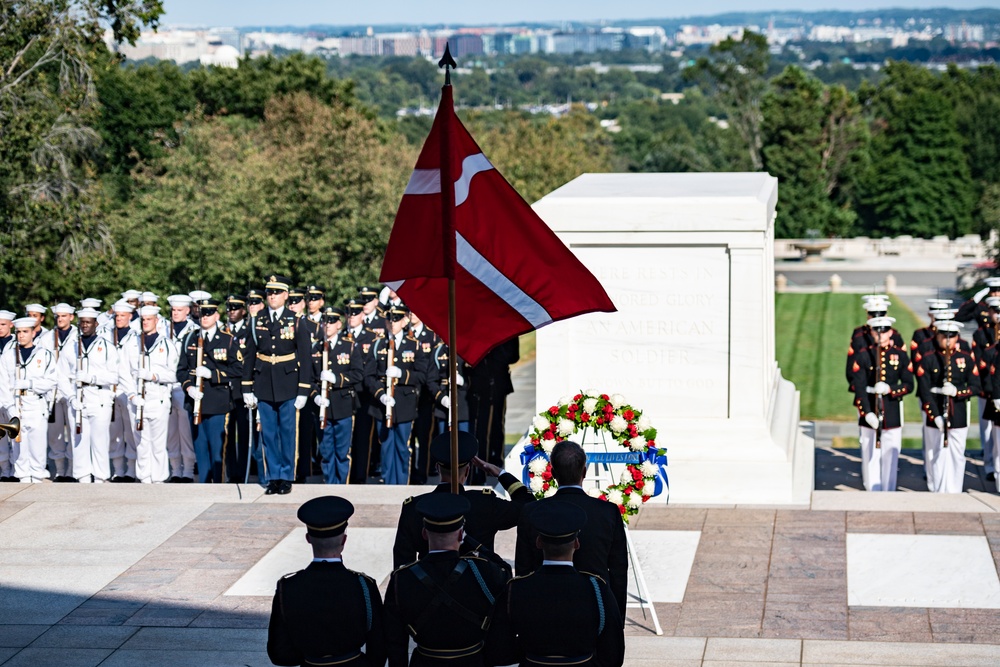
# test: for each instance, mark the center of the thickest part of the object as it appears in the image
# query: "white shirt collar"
(328, 560)
(558, 562)
(209, 334)
(272, 314)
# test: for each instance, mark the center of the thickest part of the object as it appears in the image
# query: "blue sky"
(375, 12)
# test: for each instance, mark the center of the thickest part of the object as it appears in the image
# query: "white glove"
(86, 378)
(328, 376)
(203, 372)
(996, 403)
(948, 389)
(138, 401)
(459, 380)
(146, 374)
(387, 400)
(195, 394)
(871, 420)
(939, 422)
(980, 294)
(22, 384)
(249, 400)
(882, 388)
(300, 402)
(76, 403)
(446, 402)
(393, 372)
(321, 402)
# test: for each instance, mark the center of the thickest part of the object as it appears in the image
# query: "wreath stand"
(602, 462)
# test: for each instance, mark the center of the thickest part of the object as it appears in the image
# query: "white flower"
(540, 423)
(589, 405)
(644, 424)
(564, 400)
(648, 469)
(617, 401)
(626, 477)
(537, 465)
(634, 500)
(536, 484)
(638, 443)
(551, 492)
(591, 392)
(566, 427)
(618, 424)
(547, 446)
(648, 489)
(594, 492)
(615, 496)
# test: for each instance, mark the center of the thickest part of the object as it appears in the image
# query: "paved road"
(931, 279)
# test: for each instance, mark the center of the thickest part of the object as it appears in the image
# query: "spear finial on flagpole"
(448, 63)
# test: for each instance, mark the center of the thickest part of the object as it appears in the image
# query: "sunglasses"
(271, 292)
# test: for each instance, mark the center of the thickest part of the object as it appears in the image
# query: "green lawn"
(812, 336)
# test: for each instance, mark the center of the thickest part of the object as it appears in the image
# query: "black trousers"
(237, 443)
(361, 444)
(487, 417)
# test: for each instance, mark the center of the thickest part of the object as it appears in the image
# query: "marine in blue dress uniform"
(221, 362)
(393, 383)
(276, 379)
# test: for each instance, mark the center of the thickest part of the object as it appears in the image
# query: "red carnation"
(639, 484)
(534, 441)
(645, 498)
(622, 508)
(585, 417)
(547, 475)
(651, 443)
(574, 408)
(636, 474)
(578, 397)
(548, 435)
(603, 497)
(631, 431)
(553, 410)
(629, 415)
(604, 397)
(600, 421)
(545, 486)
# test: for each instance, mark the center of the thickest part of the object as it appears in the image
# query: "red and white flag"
(512, 273)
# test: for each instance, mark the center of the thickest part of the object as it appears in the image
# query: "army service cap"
(557, 522)
(440, 449)
(397, 312)
(277, 282)
(326, 516)
(443, 512)
(368, 293)
(208, 306)
(353, 307)
(332, 314)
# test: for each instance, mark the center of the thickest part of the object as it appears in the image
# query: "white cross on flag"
(512, 273)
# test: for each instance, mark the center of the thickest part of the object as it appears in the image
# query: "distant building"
(466, 45)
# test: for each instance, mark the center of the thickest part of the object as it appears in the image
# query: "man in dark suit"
(336, 386)
(444, 600)
(587, 628)
(325, 614)
(603, 550)
(488, 514)
(277, 371)
(208, 387)
(394, 370)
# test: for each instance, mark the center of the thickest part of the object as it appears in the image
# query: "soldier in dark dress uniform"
(277, 374)
(308, 415)
(363, 436)
(424, 426)
(325, 614)
(438, 379)
(585, 626)
(976, 309)
(488, 514)
(603, 550)
(341, 378)
(946, 379)
(924, 333)
(489, 386)
(238, 428)
(984, 349)
(444, 600)
(883, 375)
(221, 362)
(876, 305)
(392, 380)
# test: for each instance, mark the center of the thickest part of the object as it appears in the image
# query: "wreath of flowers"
(603, 413)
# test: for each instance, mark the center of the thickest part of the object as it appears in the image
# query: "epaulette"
(596, 576)
(408, 500)
(362, 574)
(488, 492)
(476, 556)
(290, 575)
(403, 567)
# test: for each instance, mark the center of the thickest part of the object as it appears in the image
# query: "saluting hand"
(489, 468)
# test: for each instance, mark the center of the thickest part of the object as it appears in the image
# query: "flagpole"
(448, 238)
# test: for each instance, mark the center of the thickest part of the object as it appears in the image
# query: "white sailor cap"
(24, 323)
(131, 294)
(992, 282)
(993, 301)
(7, 315)
(146, 311)
(945, 314)
(176, 300)
(146, 297)
(881, 322)
(35, 308)
(948, 325)
(90, 303)
(123, 306)
(63, 309)
(88, 312)
(938, 304)
(200, 295)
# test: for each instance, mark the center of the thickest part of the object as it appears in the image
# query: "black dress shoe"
(174, 479)
(9, 478)
(129, 479)
(186, 480)
(64, 479)
(991, 477)
(272, 488)
(117, 479)
(284, 488)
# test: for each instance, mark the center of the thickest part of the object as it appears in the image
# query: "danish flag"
(512, 273)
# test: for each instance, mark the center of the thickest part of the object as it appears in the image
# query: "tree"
(734, 72)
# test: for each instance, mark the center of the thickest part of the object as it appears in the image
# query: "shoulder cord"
(368, 603)
(600, 604)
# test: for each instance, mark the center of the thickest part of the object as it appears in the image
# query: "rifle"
(55, 392)
(142, 383)
(79, 383)
(390, 383)
(879, 403)
(201, 381)
(114, 387)
(947, 399)
(20, 393)
(323, 384)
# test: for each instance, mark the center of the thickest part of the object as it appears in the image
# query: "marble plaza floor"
(117, 575)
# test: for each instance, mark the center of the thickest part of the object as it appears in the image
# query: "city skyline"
(311, 12)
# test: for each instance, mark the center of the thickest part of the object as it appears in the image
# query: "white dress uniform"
(160, 358)
(6, 347)
(180, 442)
(96, 373)
(59, 433)
(29, 381)
(122, 436)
